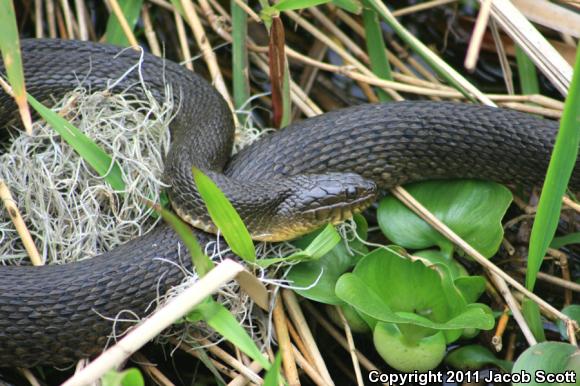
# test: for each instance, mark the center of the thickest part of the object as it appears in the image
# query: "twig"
(150, 32)
(206, 50)
(154, 373)
(19, 224)
(241, 379)
(544, 56)
(38, 22)
(555, 280)
(364, 361)
(351, 347)
(308, 369)
(183, 44)
(502, 322)
(421, 7)
(477, 35)
(283, 337)
(299, 321)
(501, 285)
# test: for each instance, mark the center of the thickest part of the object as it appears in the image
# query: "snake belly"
(53, 315)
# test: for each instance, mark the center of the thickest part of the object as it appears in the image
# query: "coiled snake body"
(318, 170)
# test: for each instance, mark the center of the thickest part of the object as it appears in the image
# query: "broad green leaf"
(408, 356)
(436, 256)
(471, 287)
(131, 377)
(475, 357)
(114, 33)
(573, 312)
(531, 312)
(353, 318)
(272, 377)
(201, 262)
(317, 278)
(472, 209)
(10, 50)
(221, 320)
(549, 357)
(320, 246)
(225, 217)
(83, 145)
(559, 171)
(287, 5)
(562, 241)
(389, 288)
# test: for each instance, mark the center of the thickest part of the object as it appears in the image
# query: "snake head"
(316, 200)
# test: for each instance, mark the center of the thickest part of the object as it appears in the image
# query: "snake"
(316, 171)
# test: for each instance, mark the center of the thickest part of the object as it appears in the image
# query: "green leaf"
(272, 377)
(376, 49)
(473, 209)
(573, 312)
(352, 6)
(559, 171)
(10, 49)
(548, 357)
(320, 246)
(225, 217)
(114, 33)
(475, 357)
(131, 377)
(83, 145)
(389, 288)
(407, 355)
(353, 318)
(471, 287)
(201, 262)
(440, 66)
(220, 319)
(531, 312)
(527, 72)
(435, 256)
(325, 271)
(287, 5)
(562, 241)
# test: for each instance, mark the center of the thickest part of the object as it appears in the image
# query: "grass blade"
(240, 71)
(10, 48)
(83, 145)
(114, 33)
(376, 49)
(527, 72)
(438, 64)
(221, 320)
(287, 5)
(225, 217)
(201, 262)
(559, 171)
(272, 377)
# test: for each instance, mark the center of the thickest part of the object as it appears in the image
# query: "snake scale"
(318, 170)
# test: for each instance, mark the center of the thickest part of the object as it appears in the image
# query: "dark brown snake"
(319, 170)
